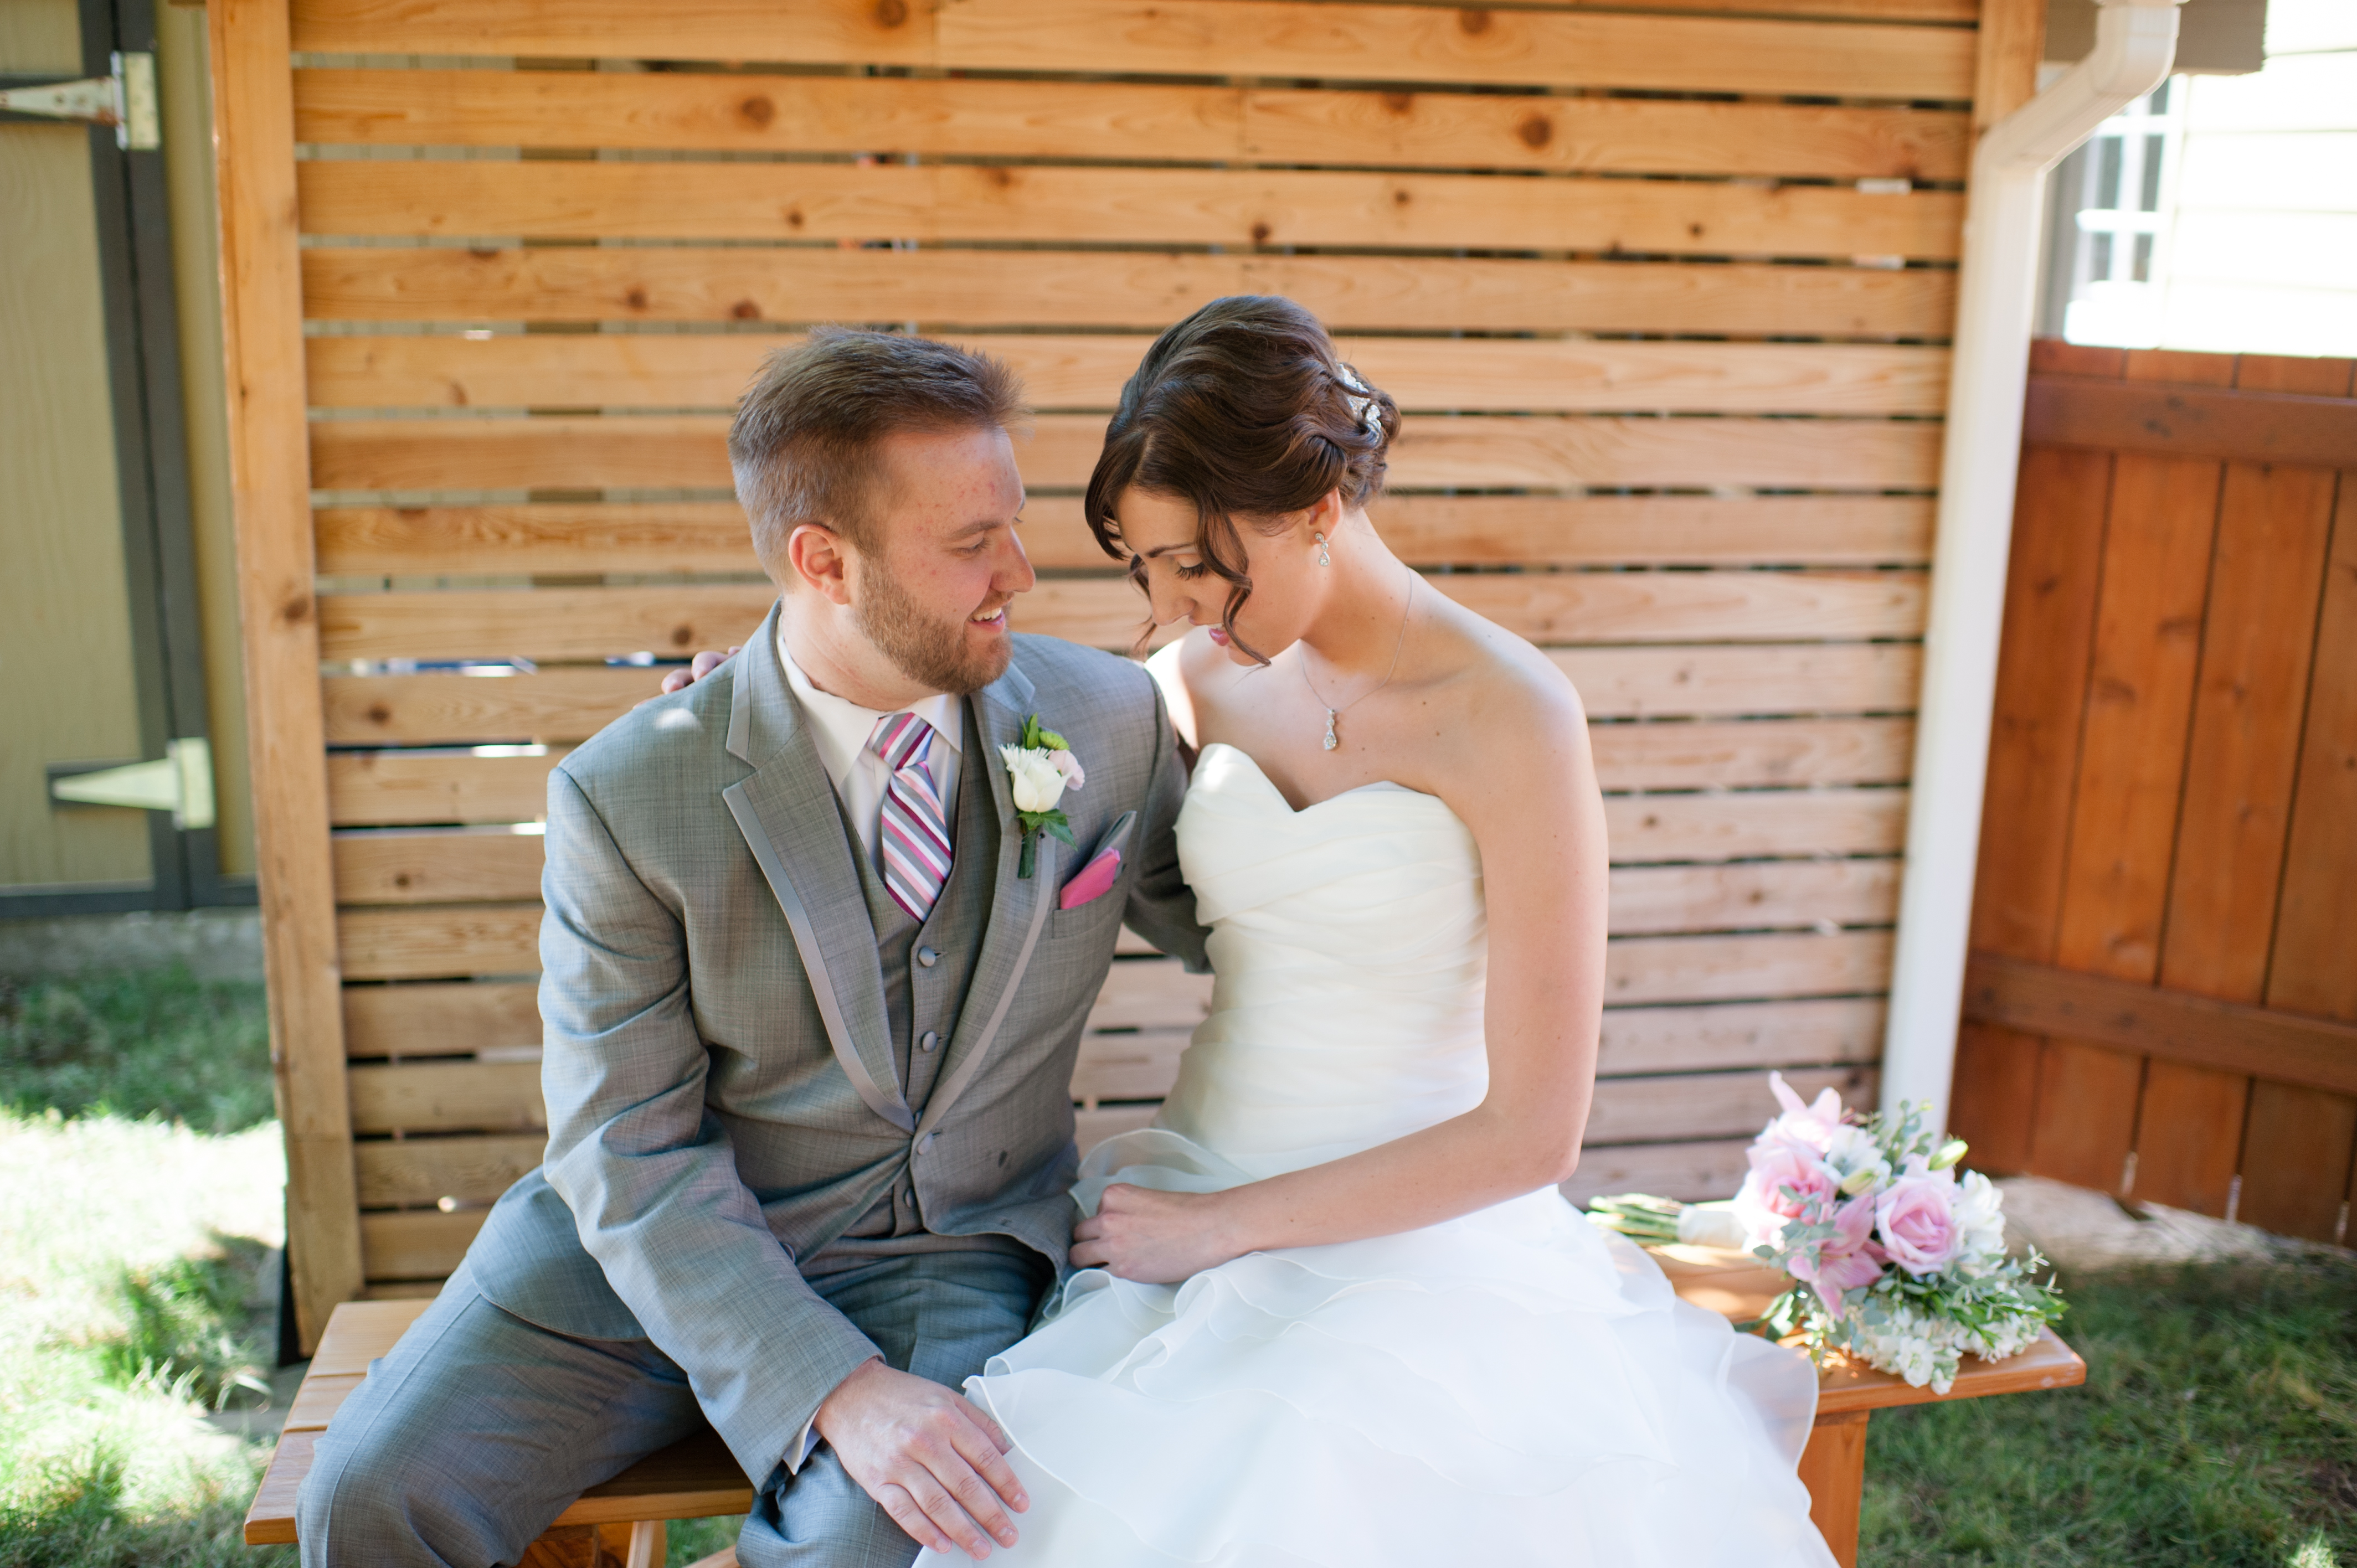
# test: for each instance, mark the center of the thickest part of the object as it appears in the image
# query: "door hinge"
(125, 101)
(180, 782)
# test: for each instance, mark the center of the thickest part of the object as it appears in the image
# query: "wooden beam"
(2179, 421)
(261, 324)
(2174, 1025)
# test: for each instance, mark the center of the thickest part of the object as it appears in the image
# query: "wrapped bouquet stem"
(1895, 1259)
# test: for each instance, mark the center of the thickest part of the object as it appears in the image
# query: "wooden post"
(2005, 67)
(270, 475)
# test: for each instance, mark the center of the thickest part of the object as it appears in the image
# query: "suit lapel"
(1018, 905)
(788, 813)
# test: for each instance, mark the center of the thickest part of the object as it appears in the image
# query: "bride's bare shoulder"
(1504, 679)
(1188, 671)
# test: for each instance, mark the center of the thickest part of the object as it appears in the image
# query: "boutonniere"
(1040, 768)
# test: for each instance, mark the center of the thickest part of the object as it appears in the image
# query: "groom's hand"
(930, 1458)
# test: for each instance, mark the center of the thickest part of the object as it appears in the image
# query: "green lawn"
(142, 1177)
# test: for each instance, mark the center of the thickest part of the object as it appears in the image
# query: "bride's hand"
(1153, 1236)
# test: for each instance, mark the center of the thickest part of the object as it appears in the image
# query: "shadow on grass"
(2218, 1427)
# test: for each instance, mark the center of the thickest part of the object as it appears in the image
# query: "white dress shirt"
(842, 729)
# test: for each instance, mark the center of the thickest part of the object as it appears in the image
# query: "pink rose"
(1786, 1182)
(1812, 1125)
(1917, 1217)
(1845, 1260)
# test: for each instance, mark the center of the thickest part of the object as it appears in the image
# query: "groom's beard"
(929, 651)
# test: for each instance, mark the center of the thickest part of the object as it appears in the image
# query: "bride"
(1330, 1306)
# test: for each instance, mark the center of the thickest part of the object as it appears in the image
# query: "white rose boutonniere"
(1040, 770)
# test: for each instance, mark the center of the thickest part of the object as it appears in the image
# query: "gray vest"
(921, 998)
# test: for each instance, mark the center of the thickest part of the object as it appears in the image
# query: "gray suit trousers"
(479, 1428)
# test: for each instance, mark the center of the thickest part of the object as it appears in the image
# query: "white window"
(2113, 200)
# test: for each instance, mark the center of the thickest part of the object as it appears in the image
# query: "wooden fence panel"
(2168, 691)
(1665, 294)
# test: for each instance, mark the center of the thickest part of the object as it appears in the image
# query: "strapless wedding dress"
(1514, 1387)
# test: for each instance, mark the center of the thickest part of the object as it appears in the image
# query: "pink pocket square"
(1093, 880)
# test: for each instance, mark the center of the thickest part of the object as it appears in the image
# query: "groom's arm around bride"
(808, 1028)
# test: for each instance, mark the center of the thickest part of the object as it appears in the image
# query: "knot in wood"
(1536, 131)
(757, 111)
(1472, 23)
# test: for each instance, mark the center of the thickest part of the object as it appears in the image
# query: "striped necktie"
(915, 831)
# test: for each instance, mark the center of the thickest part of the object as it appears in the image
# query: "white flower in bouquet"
(1980, 1223)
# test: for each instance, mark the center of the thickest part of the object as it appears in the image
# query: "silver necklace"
(1333, 713)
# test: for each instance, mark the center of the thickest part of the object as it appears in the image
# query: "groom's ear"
(816, 557)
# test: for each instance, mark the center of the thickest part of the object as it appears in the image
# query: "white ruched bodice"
(1512, 1387)
(1349, 946)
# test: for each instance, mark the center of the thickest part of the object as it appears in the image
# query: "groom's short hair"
(806, 442)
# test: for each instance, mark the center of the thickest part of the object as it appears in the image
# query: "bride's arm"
(1518, 771)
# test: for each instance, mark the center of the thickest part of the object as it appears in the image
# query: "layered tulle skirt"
(1512, 1387)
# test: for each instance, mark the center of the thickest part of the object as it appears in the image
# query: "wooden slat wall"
(1664, 293)
(2170, 798)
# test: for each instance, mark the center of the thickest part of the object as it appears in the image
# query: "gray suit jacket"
(722, 1094)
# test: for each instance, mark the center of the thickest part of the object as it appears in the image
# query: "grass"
(143, 1180)
(156, 1044)
(2218, 1427)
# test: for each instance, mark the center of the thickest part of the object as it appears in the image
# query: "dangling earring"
(1323, 559)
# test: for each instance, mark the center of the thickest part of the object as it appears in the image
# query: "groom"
(809, 1027)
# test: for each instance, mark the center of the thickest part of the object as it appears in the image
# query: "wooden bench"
(621, 1521)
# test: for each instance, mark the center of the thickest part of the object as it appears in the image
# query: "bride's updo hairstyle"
(1243, 410)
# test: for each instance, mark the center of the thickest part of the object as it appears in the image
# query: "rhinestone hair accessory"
(1363, 401)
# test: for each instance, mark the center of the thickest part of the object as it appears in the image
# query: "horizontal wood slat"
(1423, 530)
(2191, 421)
(558, 705)
(640, 369)
(1690, 1105)
(1728, 969)
(427, 1170)
(427, 867)
(430, 867)
(730, 112)
(435, 1097)
(1739, 1033)
(936, 203)
(449, 941)
(379, 787)
(1190, 37)
(439, 942)
(1148, 291)
(1474, 451)
(2173, 1025)
(1562, 608)
(417, 1244)
(1693, 1171)
(1754, 895)
(1641, 683)
(555, 705)
(395, 1020)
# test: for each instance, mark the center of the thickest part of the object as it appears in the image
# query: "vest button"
(925, 1144)
(928, 957)
(928, 1040)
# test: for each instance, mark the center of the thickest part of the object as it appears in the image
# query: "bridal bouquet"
(1896, 1262)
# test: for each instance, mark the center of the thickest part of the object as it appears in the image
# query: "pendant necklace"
(1333, 713)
